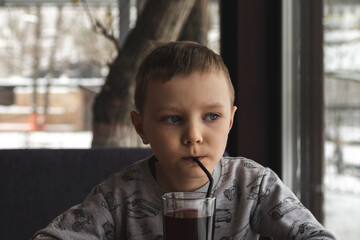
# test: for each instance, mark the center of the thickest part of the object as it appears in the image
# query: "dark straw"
(211, 180)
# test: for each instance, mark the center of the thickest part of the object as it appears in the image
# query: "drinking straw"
(211, 180)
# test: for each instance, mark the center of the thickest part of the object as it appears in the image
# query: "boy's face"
(188, 116)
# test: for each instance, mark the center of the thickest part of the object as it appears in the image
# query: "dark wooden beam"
(312, 106)
(251, 48)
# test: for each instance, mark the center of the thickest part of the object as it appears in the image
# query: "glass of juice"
(188, 215)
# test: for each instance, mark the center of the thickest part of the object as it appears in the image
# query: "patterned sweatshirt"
(250, 201)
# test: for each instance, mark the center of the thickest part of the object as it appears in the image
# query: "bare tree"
(36, 66)
(160, 21)
(197, 25)
(51, 69)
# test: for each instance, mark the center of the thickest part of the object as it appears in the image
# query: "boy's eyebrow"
(167, 108)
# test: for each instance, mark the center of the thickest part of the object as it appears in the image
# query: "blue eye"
(212, 116)
(172, 119)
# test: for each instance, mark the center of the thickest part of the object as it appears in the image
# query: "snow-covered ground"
(342, 206)
(45, 140)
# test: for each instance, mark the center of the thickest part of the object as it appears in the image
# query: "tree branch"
(99, 28)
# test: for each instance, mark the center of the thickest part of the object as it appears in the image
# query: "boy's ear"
(232, 114)
(138, 122)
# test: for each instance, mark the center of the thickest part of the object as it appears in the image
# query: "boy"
(184, 100)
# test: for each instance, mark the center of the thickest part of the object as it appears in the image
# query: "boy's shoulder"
(244, 168)
(131, 174)
(241, 162)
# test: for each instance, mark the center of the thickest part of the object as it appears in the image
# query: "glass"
(188, 215)
(52, 65)
(48, 84)
(342, 117)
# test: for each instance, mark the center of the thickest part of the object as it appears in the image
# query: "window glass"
(342, 117)
(52, 49)
(52, 65)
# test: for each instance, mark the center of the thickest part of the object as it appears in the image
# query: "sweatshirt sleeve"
(279, 213)
(92, 219)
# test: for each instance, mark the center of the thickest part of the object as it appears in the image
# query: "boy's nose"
(192, 135)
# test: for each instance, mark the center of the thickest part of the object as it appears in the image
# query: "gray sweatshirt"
(250, 200)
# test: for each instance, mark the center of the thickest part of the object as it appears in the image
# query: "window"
(341, 113)
(342, 117)
(53, 65)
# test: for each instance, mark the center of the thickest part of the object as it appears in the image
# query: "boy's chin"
(197, 173)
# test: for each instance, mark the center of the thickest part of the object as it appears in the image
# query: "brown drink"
(183, 224)
(188, 216)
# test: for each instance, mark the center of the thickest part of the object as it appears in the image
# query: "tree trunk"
(160, 21)
(197, 24)
(50, 73)
(34, 117)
